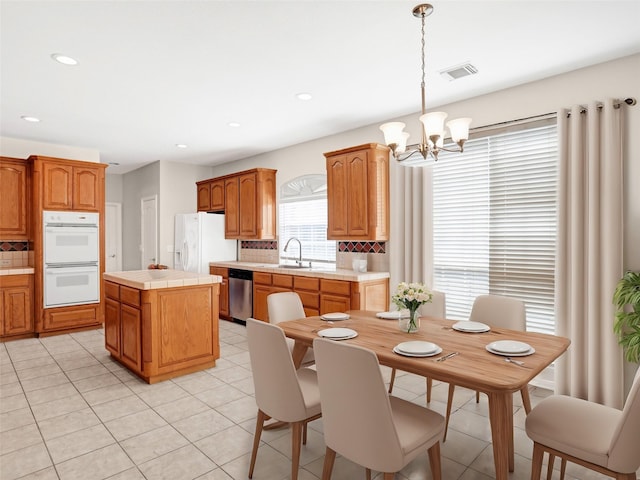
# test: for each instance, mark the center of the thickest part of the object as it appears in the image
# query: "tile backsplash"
(15, 258)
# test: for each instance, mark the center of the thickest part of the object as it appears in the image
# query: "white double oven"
(71, 258)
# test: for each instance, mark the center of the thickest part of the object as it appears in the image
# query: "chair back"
(436, 308)
(284, 306)
(277, 390)
(624, 452)
(499, 311)
(356, 411)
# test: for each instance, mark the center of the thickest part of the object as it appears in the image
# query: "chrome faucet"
(299, 261)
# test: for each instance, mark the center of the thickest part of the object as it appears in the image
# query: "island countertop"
(155, 279)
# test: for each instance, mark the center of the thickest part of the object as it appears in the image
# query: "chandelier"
(433, 129)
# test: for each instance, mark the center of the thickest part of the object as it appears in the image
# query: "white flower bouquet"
(411, 296)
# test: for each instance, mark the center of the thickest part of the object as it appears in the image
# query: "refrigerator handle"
(185, 255)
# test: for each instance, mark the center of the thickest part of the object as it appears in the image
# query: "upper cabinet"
(14, 194)
(248, 200)
(69, 184)
(210, 195)
(358, 193)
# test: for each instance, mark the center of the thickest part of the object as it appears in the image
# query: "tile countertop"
(316, 272)
(16, 270)
(154, 279)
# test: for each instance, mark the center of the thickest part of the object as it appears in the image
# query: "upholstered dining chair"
(597, 437)
(285, 306)
(501, 312)
(437, 308)
(282, 392)
(362, 422)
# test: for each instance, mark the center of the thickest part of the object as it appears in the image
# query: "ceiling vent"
(459, 71)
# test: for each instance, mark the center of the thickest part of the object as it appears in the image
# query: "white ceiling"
(153, 74)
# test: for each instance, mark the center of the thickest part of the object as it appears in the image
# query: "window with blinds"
(495, 221)
(303, 214)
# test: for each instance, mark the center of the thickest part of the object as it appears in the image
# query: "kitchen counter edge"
(338, 274)
(156, 279)
(16, 270)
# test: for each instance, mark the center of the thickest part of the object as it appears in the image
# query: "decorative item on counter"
(157, 266)
(411, 296)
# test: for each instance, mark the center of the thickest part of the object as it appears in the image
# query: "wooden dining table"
(473, 367)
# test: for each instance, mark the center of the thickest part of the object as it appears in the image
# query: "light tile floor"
(68, 411)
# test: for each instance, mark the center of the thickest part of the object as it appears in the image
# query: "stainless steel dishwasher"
(240, 294)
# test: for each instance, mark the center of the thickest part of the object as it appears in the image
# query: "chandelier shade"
(432, 124)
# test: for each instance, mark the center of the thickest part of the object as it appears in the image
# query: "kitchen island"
(161, 324)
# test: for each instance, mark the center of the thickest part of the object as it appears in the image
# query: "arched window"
(303, 214)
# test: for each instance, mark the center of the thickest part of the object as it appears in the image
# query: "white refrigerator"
(199, 239)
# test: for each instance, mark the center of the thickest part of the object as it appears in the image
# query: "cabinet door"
(334, 303)
(224, 297)
(86, 188)
(57, 186)
(13, 200)
(18, 310)
(248, 192)
(232, 208)
(131, 338)
(357, 202)
(216, 196)
(260, 294)
(203, 197)
(337, 182)
(112, 326)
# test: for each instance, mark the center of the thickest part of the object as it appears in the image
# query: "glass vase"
(410, 324)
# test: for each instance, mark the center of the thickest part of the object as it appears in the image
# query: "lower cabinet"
(224, 290)
(16, 306)
(162, 333)
(320, 295)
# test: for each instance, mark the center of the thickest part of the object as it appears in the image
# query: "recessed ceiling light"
(233, 124)
(181, 145)
(64, 59)
(115, 164)
(304, 96)
(28, 118)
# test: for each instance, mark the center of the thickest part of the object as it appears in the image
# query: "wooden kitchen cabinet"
(15, 196)
(224, 290)
(16, 306)
(358, 193)
(335, 296)
(264, 284)
(162, 333)
(248, 200)
(70, 185)
(210, 195)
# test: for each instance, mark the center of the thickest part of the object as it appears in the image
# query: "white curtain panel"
(411, 245)
(589, 252)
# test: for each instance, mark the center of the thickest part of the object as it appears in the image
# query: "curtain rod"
(617, 104)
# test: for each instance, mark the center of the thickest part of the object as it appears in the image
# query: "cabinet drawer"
(262, 278)
(15, 280)
(112, 290)
(306, 283)
(285, 281)
(222, 271)
(337, 287)
(309, 300)
(130, 296)
(70, 317)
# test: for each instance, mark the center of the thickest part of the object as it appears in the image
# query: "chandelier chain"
(422, 85)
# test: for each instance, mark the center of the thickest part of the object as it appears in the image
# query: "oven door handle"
(67, 268)
(71, 229)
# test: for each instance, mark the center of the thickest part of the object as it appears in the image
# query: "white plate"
(471, 327)
(335, 316)
(417, 347)
(531, 351)
(338, 333)
(406, 354)
(394, 315)
(510, 346)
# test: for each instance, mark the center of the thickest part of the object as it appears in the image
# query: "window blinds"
(495, 221)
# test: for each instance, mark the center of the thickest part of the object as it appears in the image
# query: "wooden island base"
(162, 332)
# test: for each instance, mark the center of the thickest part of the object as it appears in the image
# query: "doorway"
(149, 223)
(113, 237)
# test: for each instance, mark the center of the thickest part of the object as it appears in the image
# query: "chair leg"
(452, 388)
(329, 458)
(296, 440)
(536, 461)
(563, 468)
(389, 476)
(552, 459)
(304, 434)
(477, 397)
(368, 473)
(435, 461)
(429, 387)
(256, 440)
(393, 379)
(526, 401)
